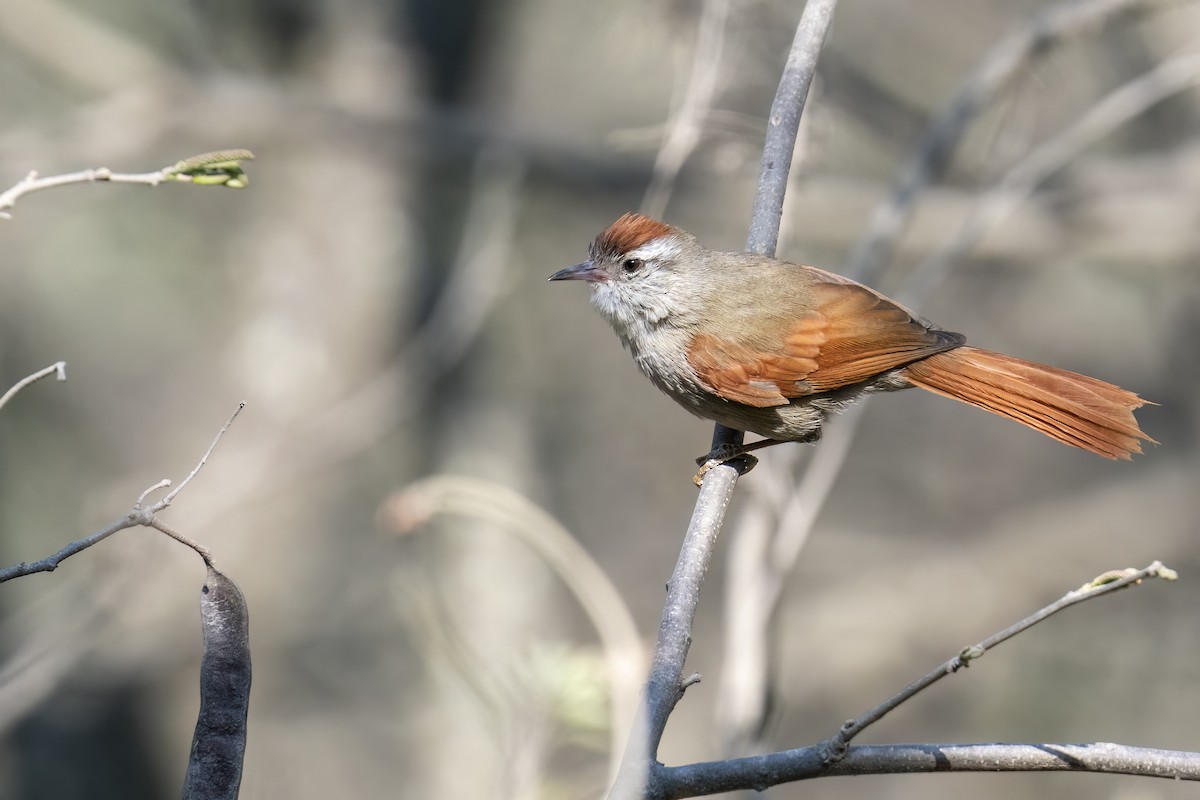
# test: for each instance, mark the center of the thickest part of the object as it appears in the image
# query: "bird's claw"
(724, 454)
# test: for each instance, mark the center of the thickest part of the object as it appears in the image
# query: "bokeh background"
(377, 296)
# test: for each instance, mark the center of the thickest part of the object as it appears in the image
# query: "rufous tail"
(1072, 408)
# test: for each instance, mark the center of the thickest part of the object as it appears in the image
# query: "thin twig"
(665, 684)
(149, 490)
(217, 168)
(170, 496)
(59, 368)
(751, 593)
(202, 551)
(1104, 584)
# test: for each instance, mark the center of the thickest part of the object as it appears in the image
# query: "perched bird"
(762, 345)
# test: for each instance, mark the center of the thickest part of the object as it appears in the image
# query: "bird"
(767, 346)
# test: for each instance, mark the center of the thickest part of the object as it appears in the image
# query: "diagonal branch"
(170, 496)
(1099, 586)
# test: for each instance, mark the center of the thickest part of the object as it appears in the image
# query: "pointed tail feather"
(1072, 408)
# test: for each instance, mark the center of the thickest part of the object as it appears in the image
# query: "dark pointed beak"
(580, 272)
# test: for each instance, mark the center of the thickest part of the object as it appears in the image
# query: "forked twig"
(137, 516)
(170, 496)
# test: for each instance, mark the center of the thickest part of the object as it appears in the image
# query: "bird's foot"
(724, 454)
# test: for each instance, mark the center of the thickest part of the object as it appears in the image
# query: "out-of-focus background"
(377, 296)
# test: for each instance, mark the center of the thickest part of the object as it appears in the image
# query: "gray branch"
(760, 772)
(783, 124)
(666, 683)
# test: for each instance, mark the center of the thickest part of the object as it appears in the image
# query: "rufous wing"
(850, 334)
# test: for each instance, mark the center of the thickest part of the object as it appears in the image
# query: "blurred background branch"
(692, 108)
(1117, 108)
(1015, 53)
(623, 652)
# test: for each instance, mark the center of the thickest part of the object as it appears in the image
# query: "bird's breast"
(661, 355)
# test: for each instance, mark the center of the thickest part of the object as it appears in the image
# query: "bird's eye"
(631, 264)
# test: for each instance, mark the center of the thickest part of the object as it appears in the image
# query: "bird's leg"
(727, 452)
(724, 453)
